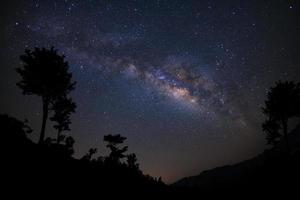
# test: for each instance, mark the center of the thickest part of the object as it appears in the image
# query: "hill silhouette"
(269, 171)
(51, 165)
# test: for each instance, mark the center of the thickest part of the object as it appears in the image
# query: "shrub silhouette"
(89, 154)
(132, 161)
(283, 103)
(116, 153)
(45, 73)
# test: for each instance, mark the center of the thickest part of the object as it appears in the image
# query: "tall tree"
(46, 74)
(63, 107)
(283, 103)
(116, 153)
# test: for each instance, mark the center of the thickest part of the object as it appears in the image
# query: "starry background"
(182, 80)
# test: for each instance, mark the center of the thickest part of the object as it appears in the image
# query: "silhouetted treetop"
(89, 154)
(283, 103)
(113, 144)
(114, 139)
(132, 161)
(283, 100)
(46, 74)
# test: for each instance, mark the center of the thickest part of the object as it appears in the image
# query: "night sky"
(184, 81)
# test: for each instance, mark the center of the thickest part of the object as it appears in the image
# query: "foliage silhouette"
(271, 127)
(89, 154)
(63, 107)
(50, 162)
(114, 141)
(132, 161)
(72, 176)
(45, 73)
(283, 103)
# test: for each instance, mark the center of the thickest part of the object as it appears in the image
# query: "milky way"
(182, 80)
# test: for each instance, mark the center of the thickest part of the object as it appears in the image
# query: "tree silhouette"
(45, 73)
(132, 161)
(116, 153)
(69, 143)
(63, 107)
(272, 127)
(89, 154)
(283, 103)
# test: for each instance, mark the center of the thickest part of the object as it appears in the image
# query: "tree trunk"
(45, 116)
(285, 132)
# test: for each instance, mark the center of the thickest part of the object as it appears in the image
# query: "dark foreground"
(44, 170)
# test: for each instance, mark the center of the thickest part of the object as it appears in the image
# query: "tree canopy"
(46, 74)
(283, 103)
